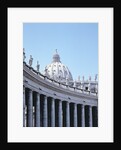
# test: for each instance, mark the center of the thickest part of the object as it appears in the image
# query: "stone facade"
(50, 103)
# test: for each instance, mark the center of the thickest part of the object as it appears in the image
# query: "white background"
(16, 18)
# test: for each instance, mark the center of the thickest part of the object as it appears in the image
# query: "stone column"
(83, 115)
(34, 116)
(30, 109)
(96, 116)
(23, 106)
(67, 115)
(75, 115)
(26, 116)
(52, 112)
(90, 116)
(45, 117)
(60, 113)
(37, 110)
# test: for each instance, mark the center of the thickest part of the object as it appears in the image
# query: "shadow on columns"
(71, 115)
(95, 116)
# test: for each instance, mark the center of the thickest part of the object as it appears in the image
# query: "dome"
(58, 71)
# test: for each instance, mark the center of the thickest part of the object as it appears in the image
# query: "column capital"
(45, 96)
(52, 98)
(38, 94)
(23, 89)
(60, 101)
(82, 105)
(30, 91)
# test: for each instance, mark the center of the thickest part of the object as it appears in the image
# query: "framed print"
(60, 72)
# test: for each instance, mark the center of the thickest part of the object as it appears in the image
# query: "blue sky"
(76, 43)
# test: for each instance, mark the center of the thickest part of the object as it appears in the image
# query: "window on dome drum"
(86, 88)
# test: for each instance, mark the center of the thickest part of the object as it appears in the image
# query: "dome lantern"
(56, 57)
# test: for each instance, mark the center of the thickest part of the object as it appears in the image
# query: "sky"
(76, 43)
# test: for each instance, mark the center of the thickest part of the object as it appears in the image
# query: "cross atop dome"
(56, 51)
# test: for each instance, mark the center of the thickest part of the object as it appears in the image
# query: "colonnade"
(43, 111)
